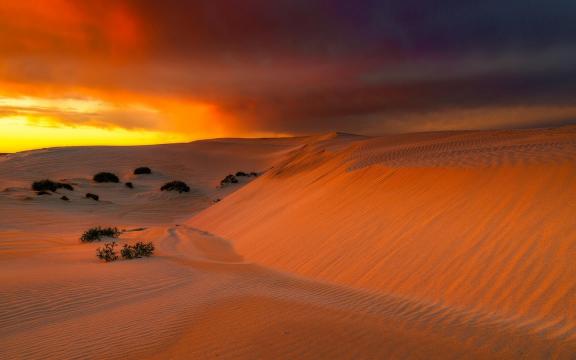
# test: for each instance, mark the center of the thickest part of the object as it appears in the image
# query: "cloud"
(291, 66)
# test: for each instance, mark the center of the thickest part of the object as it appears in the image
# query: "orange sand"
(437, 245)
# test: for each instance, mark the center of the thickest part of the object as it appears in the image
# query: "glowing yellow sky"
(34, 122)
(28, 122)
(19, 133)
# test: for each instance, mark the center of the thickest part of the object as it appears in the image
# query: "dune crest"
(472, 221)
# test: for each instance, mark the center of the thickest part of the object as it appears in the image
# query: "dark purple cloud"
(315, 65)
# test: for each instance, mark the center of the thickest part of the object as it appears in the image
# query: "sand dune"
(434, 245)
(479, 222)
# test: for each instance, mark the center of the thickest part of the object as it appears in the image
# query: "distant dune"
(430, 245)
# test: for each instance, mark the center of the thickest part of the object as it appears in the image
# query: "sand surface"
(432, 245)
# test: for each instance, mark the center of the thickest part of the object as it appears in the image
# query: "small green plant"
(104, 177)
(97, 233)
(107, 253)
(137, 250)
(49, 185)
(179, 186)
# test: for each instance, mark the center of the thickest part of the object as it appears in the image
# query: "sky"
(124, 72)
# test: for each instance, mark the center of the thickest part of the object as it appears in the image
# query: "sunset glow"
(23, 133)
(151, 71)
(287, 179)
(34, 122)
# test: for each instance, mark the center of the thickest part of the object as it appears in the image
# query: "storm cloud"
(304, 66)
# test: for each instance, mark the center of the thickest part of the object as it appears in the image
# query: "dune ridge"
(467, 220)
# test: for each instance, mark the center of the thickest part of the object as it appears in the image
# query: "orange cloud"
(203, 68)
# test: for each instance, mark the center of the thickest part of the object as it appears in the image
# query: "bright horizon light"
(19, 133)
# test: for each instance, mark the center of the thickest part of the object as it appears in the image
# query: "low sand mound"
(480, 222)
(197, 298)
(200, 164)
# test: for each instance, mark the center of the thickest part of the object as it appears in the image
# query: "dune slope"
(481, 223)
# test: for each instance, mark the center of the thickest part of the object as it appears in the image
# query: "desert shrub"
(97, 233)
(43, 193)
(49, 185)
(65, 198)
(137, 250)
(129, 185)
(66, 186)
(142, 170)
(144, 249)
(104, 177)
(175, 186)
(254, 174)
(128, 252)
(241, 173)
(230, 179)
(92, 196)
(107, 253)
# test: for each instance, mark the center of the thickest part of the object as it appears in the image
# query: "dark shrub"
(217, 200)
(65, 198)
(137, 250)
(230, 179)
(241, 173)
(144, 249)
(96, 233)
(92, 196)
(142, 170)
(107, 253)
(129, 185)
(254, 174)
(44, 185)
(175, 186)
(128, 252)
(43, 193)
(66, 186)
(49, 185)
(104, 177)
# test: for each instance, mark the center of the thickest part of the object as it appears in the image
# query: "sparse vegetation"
(179, 186)
(246, 174)
(129, 185)
(49, 185)
(107, 253)
(65, 198)
(142, 170)
(93, 196)
(97, 233)
(43, 193)
(230, 179)
(137, 250)
(105, 177)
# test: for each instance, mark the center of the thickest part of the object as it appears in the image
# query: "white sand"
(438, 245)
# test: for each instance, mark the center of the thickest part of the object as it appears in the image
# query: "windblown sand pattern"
(436, 245)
